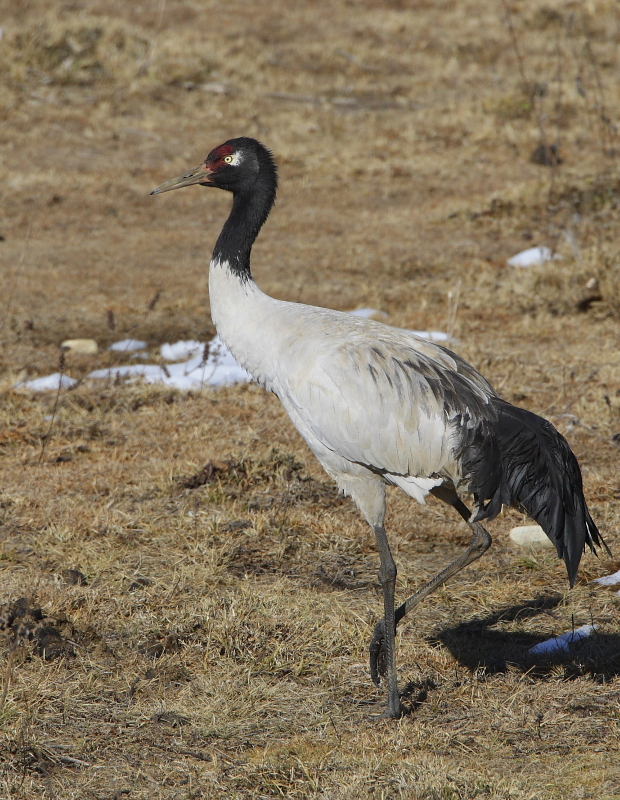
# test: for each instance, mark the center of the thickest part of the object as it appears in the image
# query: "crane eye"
(228, 159)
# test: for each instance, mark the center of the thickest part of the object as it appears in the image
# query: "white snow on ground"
(128, 345)
(608, 580)
(367, 313)
(432, 336)
(562, 642)
(220, 369)
(180, 350)
(531, 257)
(50, 383)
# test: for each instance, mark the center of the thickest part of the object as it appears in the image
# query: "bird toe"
(378, 662)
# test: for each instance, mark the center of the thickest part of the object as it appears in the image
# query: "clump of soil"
(27, 623)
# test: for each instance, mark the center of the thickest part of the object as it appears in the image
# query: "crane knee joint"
(387, 573)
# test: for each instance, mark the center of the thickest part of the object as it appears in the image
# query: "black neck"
(249, 211)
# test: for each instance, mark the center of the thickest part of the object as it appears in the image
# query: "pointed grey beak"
(198, 175)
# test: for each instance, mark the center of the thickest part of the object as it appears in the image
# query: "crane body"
(378, 405)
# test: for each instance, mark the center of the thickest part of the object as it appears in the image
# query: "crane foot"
(396, 713)
(378, 665)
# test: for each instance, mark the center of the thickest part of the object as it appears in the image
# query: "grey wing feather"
(391, 401)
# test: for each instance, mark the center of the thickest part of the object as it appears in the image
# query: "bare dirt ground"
(172, 631)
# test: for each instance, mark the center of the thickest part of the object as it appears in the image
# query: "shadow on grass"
(477, 644)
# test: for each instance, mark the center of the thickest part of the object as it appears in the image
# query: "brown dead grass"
(214, 641)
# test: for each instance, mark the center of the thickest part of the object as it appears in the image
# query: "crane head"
(234, 166)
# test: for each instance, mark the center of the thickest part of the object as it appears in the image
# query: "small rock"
(591, 295)
(155, 648)
(49, 644)
(73, 577)
(139, 583)
(208, 473)
(86, 347)
(547, 155)
(530, 536)
(584, 303)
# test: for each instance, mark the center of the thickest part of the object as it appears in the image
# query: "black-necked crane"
(378, 405)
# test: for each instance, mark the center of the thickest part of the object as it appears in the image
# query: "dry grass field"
(171, 631)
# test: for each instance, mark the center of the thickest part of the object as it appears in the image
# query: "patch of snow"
(180, 350)
(563, 641)
(608, 580)
(367, 313)
(129, 371)
(532, 256)
(432, 336)
(128, 345)
(220, 369)
(50, 383)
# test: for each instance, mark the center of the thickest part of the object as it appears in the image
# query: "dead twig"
(191, 753)
(295, 98)
(46, 438)
(7, 676)
(606, 127)
(453, 309)
(16, 271)
(514, 41)
(44, 772)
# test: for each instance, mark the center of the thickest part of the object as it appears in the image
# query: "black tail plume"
(521, 460)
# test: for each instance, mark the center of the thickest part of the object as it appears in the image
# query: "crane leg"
(480, 542)
(387, 578)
